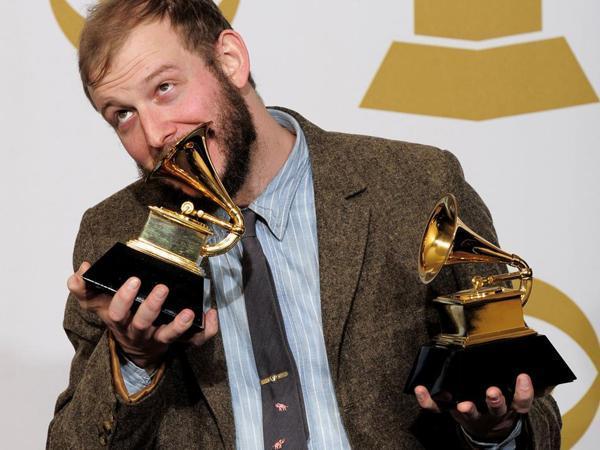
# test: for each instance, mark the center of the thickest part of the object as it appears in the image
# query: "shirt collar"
(274, 204)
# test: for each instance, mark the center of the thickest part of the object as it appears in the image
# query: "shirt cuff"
(507, 444)
(120, 382)
(135, 378)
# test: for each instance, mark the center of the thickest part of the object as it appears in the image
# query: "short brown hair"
(198, 23)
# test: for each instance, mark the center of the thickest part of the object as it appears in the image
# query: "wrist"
(149, 361)
(117, 359)
(495, 440)
(149, 365)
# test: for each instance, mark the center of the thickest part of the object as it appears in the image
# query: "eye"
(122, 116)
(163, 88)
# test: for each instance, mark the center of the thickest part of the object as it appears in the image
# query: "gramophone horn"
(447, 240)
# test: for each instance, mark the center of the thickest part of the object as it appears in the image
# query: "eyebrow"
(155, 73)
(107, 105)
(159, 71)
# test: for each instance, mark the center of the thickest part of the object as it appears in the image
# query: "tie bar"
(273, 378)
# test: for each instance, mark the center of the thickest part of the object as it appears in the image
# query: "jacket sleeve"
(89, 413)
(541, 427)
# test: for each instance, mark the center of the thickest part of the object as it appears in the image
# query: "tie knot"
(249, 222)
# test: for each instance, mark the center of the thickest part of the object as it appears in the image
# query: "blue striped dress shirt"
(287, 231)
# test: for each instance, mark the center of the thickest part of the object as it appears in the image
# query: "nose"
(158, 129)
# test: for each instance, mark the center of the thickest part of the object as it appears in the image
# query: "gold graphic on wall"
(478, 84)
(68, 19)
(71, 22)
(477, 19)
(549, 304)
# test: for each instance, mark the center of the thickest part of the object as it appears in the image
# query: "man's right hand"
(142, 342)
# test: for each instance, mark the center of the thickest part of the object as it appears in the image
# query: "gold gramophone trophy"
(484, 340)
(173, 244)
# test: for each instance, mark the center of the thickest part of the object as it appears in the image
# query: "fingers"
(211, 323)
(76, 284)
(173, 331)
(524, 393)
(496, 402)
(180, 327)
(425, 400)
(467, 411)
(211, 326)
(89, 299)
(119, 309)
(137, 334)
(142, 322)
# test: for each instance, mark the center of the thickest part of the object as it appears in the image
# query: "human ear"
(233, 57)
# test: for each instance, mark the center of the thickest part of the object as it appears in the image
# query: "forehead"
(146, 39)
(148, 46)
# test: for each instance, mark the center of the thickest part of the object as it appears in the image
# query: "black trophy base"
(466, 373)
(121, 262)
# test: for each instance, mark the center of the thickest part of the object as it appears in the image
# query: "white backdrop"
(537, 172)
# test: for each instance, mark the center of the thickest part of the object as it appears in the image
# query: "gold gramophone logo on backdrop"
(478, 84)
(71, 22)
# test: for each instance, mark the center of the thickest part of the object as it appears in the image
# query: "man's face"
(156, 91)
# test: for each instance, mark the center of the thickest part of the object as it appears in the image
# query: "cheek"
(196, 102)
(137, 148)
(217, 157)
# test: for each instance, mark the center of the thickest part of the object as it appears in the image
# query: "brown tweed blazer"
(373, 197)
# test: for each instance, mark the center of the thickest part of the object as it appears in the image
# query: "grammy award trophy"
(484, 340)
(173, 244)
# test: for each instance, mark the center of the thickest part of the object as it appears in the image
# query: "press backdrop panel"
(509, 86)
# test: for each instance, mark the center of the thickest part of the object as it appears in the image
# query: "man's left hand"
(498, 421)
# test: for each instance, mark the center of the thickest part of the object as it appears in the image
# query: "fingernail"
(523, 383)
(160, 291)
(186, 316)
(133, 283)
(493, 397)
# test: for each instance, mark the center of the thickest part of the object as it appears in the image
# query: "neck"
(273, 145)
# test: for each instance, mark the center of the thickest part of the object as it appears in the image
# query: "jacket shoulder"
(389, 164)
(117, 218)
(118, 202)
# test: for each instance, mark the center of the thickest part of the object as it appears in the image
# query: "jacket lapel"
(343, 220)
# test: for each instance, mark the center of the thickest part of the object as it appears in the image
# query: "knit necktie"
(284, 419)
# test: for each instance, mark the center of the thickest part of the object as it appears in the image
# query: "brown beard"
(236, 138)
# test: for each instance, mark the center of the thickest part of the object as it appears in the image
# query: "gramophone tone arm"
(234, 230)
(187, 208)
(525, 275)
(480, 281)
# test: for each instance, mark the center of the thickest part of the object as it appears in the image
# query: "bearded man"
(352, 310)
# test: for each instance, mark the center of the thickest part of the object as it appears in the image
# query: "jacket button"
(103, 440)
(107, 425)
